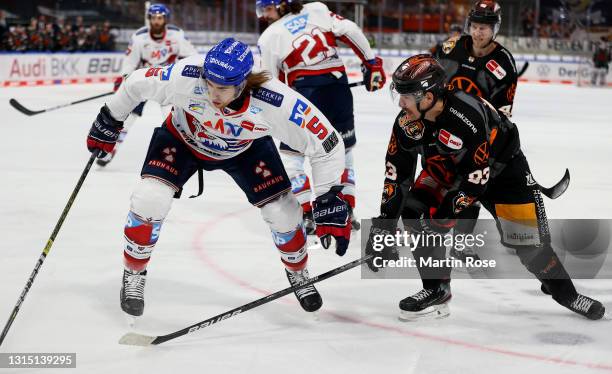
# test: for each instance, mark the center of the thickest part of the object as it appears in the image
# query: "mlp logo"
(297, 24)
(299, 112)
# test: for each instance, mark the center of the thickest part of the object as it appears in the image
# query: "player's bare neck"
(435, 111)
(481, 52)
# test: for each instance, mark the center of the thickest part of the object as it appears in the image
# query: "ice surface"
(216, 253)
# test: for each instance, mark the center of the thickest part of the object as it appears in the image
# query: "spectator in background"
(106, 39)
(3, 30)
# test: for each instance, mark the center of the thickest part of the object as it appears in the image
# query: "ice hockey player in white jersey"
(224, 117)
(300, 48)
(159, 44)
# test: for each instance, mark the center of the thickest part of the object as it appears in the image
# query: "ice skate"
(426, 304)
(309, 297)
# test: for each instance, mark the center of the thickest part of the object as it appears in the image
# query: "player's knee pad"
(300, 187)
(152, 199)
(293, 162)
(284, 216)
(150, 204)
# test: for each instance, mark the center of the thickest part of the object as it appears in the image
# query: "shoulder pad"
(268, 96)
(316, 5)
(173, 27)
(142, 30)
(192, 71)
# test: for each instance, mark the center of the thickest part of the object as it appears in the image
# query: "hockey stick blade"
(559, 188)
(145, 340)
(131, 338)
(17, 105)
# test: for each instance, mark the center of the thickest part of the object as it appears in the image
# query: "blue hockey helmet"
(228, 63)
(261, 4)
(158, 9)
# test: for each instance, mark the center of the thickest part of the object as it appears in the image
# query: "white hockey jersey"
(306, 43)
(274, 109)
(145, 51)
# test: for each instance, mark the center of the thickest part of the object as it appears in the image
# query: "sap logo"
(197, 106)
(254, 110)
(299, 111)
(298, 184)
(297, 24)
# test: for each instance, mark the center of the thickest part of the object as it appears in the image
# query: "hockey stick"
(355, 84)
(145, 340)
(17, 105)
(523, 69)
(558, 189)
(47, 248)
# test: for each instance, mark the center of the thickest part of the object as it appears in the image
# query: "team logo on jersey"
(481, 155)
(530, 180)
(268, 96)
(196, 106)
(299, 112)
(448, 46)
(296, 24)
(389, 192)
(392, 148)
(464, 84)
(262, 170)
(496, 69)
(412, 129)
(450, 140)
(192, 71)
(461, 201)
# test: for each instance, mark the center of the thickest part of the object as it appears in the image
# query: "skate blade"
(130, 320)
(432, 312)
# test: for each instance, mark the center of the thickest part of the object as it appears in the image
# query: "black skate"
(585, 306)
(309, 297)
(426, 304)
(309, 224)
(132, 292)
(106, 159)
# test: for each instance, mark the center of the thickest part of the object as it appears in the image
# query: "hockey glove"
(434, 223)
(375, 245)
(374, 77)
(104, 133)
(332, 217)
(117, 83)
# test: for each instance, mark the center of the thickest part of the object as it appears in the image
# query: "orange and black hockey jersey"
(492, 77)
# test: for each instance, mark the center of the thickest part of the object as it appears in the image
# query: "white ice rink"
(215, 253)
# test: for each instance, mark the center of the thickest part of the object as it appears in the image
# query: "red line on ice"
(200, 250)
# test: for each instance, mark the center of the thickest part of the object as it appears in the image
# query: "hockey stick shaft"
(523, 69)
(143, 340)
(17, 105)
(355, 84)
(47, 248)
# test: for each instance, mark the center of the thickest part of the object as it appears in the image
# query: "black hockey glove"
(104, 133)
(376, 243)
(331, 213)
